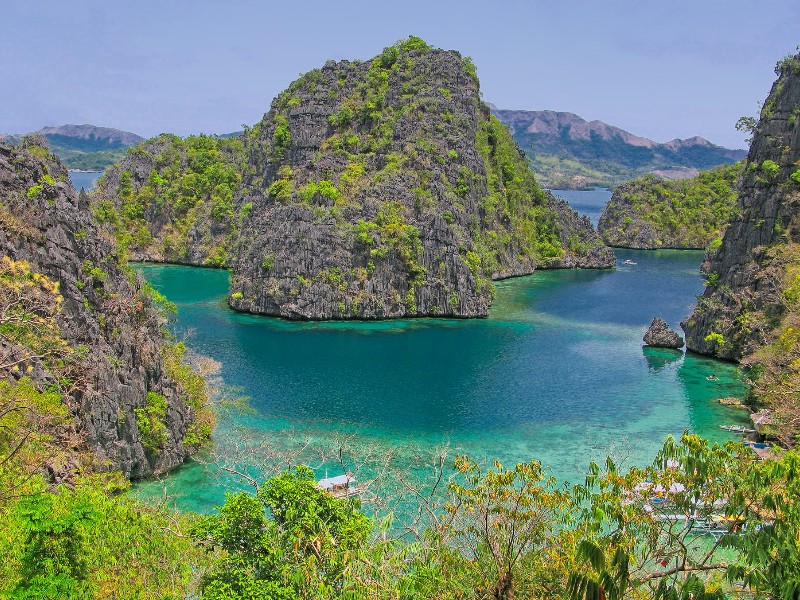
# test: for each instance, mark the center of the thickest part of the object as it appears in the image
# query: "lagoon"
(557, 373)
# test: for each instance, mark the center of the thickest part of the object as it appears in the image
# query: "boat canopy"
(335, 482)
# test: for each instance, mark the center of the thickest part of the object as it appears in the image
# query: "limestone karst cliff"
(174, 200)
(373, 189)
(386, 189)
(752, 275)
(106, 353)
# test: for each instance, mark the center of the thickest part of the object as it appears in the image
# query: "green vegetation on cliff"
(393, 175)
(169, 193)
(654, 213)
(115, 358)
(749, 310)
(82, 357)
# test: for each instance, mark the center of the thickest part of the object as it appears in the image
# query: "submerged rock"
(733, 403)
(659, 335)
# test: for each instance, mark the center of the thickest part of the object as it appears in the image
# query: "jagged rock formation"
(649, 212)
(752, 275)
(567, 151)
(370, 190)
(385, 189)
(123, 387)
(659, 335)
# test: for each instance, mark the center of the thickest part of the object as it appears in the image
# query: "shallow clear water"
(556, 373)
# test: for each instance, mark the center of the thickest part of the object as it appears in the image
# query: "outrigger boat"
(737, 429)
(341, 486)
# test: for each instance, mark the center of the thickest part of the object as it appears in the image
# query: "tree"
(506, 522)
(747, 125)
(665, 531)
(53, 564)
(306, 547)
(769, 553)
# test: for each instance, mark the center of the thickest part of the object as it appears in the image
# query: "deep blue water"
(83, 180)
(589, 203)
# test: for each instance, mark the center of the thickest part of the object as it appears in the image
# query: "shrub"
(453, 300)
(715, 338)
(770, 170)
(268, 261)
(150, 420)
(282, 138)
(281, 189)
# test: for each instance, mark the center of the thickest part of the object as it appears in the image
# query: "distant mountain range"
(567, 151)
(85, 147)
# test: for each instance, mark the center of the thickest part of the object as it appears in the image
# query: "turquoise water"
(556, 373)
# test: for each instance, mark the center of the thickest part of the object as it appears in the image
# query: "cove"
(557, 373)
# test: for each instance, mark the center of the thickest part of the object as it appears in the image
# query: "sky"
(659, 69)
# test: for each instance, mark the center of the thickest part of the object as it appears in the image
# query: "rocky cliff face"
(129, 409)
(385, 189)
(751, 275)
(651, 212)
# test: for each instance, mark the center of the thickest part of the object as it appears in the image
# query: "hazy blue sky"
(661, 69)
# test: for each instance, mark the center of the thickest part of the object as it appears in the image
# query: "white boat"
(341, 486)
(628, 262)
(737, 429)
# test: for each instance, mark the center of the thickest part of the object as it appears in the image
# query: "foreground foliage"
(701, 522)
(88, 542)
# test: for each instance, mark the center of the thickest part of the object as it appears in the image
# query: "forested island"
(370, 190)
(416, 198)
(651, 212)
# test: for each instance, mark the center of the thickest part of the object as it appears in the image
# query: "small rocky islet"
(659, 335)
